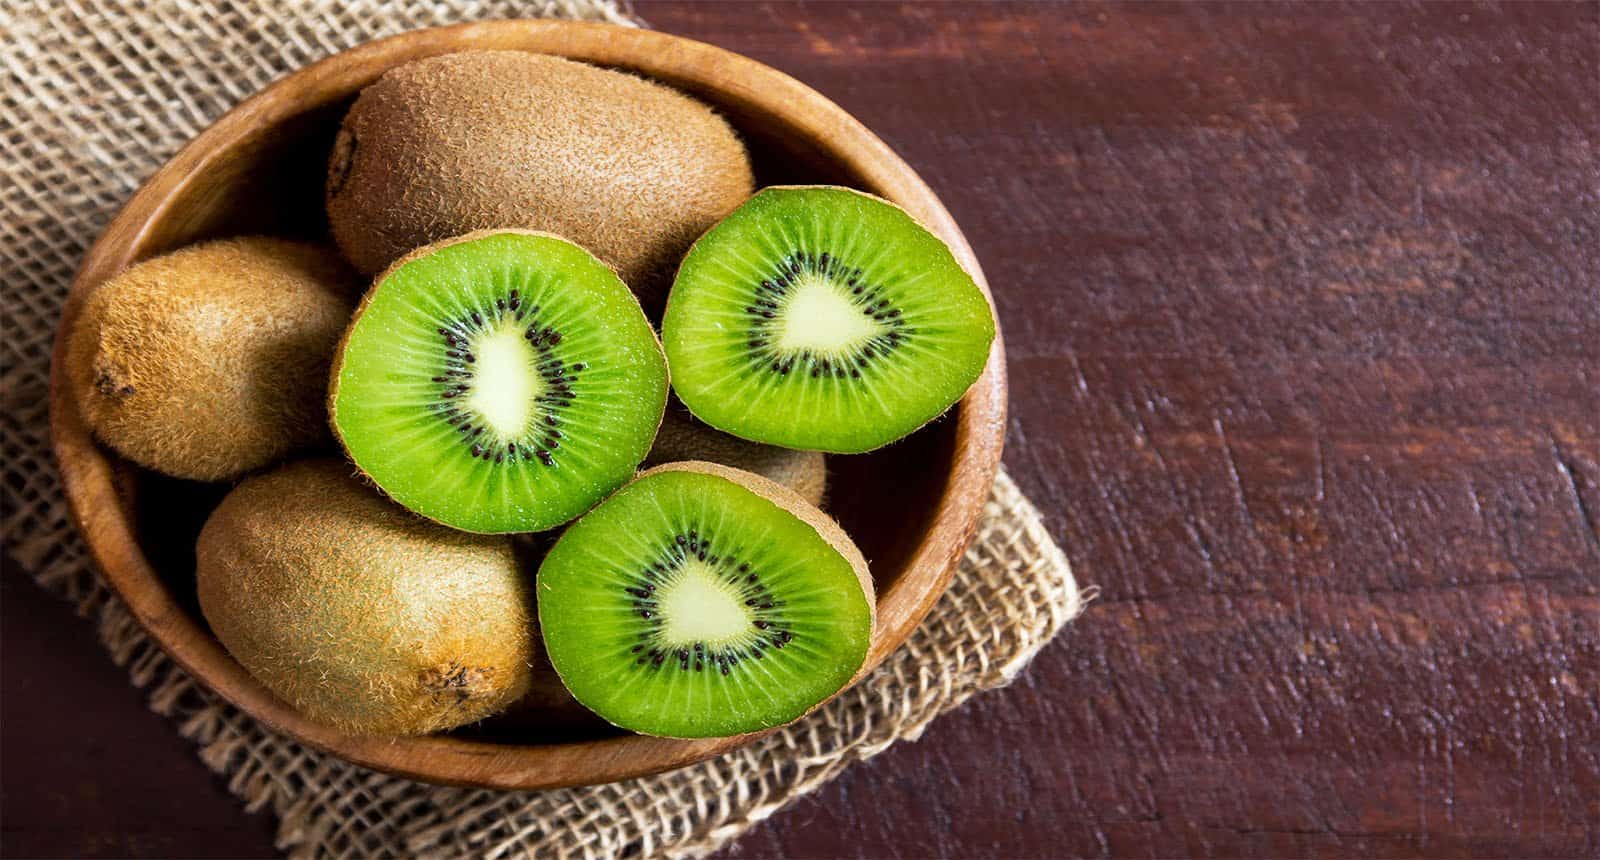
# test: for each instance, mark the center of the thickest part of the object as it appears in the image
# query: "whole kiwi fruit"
(358, 613)
(682, 438)
(629, 169)
(211, 361)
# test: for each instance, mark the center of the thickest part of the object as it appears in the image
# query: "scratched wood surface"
(1303, 309)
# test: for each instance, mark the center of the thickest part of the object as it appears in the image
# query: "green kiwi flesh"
(822, 318)
(501, 381)
(704, 601)
(360, 614)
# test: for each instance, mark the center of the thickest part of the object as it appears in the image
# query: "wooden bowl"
(912, 507)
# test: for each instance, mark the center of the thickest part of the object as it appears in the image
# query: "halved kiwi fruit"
(823, 319)
(703, 601)
(501, 381)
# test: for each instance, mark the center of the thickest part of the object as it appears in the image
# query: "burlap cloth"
(97, 94)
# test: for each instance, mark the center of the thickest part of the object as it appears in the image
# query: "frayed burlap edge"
(100, 93)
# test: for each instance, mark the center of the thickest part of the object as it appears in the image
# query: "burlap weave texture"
(96, 94)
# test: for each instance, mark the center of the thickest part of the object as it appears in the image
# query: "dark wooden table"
(1303, 310)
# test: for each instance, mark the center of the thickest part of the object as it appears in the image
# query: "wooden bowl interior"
(272, 184)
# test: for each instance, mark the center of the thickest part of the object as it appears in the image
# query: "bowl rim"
(90, 474)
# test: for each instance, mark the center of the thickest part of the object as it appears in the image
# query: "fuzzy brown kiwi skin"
(682, 438)
(195, 363)
(366, 299)
(359, 614)
(987, 300)
(809, 514)
(628, 168)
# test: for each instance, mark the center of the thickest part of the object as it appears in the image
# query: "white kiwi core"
(505, 381)
(820, 318)
(699, 606)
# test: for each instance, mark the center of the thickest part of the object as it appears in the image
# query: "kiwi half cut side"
(823, 319)
(501, 381)
(704, 601)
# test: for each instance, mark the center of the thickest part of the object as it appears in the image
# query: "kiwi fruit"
(546, 713)
(501, 381)
(683, 438)
(627, 168)
(704, 601)
(209, 362)
(823, 319)
(361, 615)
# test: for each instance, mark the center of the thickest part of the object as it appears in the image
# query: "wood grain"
(1303, 315)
